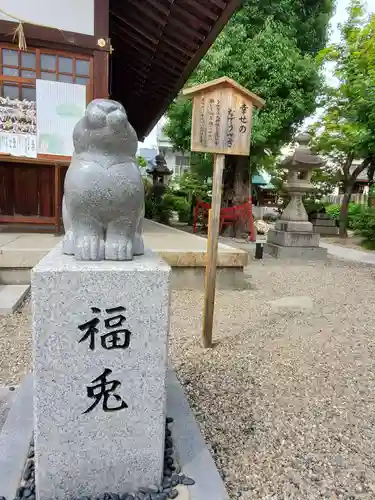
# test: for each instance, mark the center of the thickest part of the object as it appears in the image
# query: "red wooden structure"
(228, 215)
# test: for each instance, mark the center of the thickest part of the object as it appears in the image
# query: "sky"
(338, 18)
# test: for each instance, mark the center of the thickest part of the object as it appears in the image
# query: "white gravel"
(286, 398)
(15, 345)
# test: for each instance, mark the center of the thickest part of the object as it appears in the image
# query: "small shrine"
(293, 236)
(158, 169)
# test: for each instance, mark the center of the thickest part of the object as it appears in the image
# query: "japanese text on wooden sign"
(222, 117)
(223, 125)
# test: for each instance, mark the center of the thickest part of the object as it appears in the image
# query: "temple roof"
(157, 44)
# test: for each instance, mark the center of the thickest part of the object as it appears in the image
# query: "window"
(182, 161)
(19, 70)
(181, 164)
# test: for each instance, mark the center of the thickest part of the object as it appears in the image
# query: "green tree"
(141, 162)
(346, 129)
(269, 48)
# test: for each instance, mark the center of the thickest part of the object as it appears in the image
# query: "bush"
(364, 225)
(182, 207)
(354, 210)
(313, 207)
(333, 211)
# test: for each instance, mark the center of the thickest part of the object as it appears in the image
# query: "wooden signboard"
(221, 124)
(222, 117)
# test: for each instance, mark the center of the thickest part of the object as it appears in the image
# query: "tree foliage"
(346, 129)
(268, 47)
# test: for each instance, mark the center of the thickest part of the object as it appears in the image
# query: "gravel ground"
(15, 345)
(285, 399)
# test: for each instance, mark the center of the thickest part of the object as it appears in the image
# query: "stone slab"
(11, 296)
(291, 226)
(295, 253)
(331, 231)
(178, 248)
(94, 448)
(15, 438)
(324, 222)
(292, 303)
(6, 401)
(293, 239)
(191, 450)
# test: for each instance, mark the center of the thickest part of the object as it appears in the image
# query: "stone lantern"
(293, 236)
(158, 169)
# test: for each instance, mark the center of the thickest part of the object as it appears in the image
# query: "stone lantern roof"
(303, 158)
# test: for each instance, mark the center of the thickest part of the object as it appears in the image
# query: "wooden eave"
(157, 44)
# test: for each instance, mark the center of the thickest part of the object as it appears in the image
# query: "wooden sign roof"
(224, 82)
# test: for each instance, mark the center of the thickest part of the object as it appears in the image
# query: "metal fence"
(361, 199)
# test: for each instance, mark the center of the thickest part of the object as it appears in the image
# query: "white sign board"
(59, 107)
(18, 144)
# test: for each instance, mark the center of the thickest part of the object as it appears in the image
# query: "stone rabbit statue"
(103, 203)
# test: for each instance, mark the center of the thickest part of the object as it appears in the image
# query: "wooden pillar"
(101, 57)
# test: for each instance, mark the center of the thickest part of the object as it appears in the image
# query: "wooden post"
(221, 124)
(212, 242)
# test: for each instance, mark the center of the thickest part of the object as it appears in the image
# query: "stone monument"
(293, 236)
(100, 326)
(103, 174)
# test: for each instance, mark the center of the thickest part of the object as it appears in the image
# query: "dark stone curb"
(15, 438)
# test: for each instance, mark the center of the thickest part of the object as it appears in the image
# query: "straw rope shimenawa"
(19, 33)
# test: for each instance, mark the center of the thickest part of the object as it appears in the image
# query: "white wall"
(68, 15)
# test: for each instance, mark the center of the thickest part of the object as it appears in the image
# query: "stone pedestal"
(324, 224)
(289, 244)
(100, 356)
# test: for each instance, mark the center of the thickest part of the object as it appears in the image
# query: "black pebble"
(173, 494)
(31, 453)
(20, 491)
(166, 482)
(175, 480)
(168, 443)
(169, 420)
(167, 472)
(169, 461)
(159, 496)
(27, 493)
(168, 432)
(187, 481)
(168, 452)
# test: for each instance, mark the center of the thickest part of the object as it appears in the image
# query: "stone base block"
(100, 358)
(291, 226)
(328, 231)
(301, 253)
(324, 222)
(293, 239)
